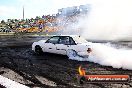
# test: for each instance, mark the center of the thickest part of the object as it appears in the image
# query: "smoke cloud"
(109, 56)
(106, 55)
(106, 20)
(109, 20)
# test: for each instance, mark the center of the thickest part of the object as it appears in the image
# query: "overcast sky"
(33, 8)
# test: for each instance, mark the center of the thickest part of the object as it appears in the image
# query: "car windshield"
(80, 40)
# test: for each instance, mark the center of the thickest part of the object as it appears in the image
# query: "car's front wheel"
(38, 50)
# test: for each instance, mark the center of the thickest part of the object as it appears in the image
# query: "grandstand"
(46, 23)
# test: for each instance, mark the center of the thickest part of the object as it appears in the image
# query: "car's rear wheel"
(38, 50)
(71, 53)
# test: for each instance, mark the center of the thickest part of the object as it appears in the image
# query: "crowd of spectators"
(28, 25)
(45, 23)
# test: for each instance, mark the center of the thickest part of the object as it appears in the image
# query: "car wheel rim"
(71, 53)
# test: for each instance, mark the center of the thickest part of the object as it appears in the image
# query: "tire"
(71, 53)
(38, 50)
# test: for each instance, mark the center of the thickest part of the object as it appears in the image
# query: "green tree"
(3, 22)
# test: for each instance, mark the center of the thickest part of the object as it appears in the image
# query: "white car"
(70, 45)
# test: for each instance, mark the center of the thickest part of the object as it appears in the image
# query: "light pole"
(23, 12)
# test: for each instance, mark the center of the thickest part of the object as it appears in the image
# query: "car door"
(64, 44)
(50, 44)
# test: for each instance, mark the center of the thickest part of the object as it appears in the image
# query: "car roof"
(66, 35)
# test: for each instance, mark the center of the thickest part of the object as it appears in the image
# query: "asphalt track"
(16, 54)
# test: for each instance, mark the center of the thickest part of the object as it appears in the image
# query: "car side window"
(53, 40)
(72, 42)
(64, 40)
